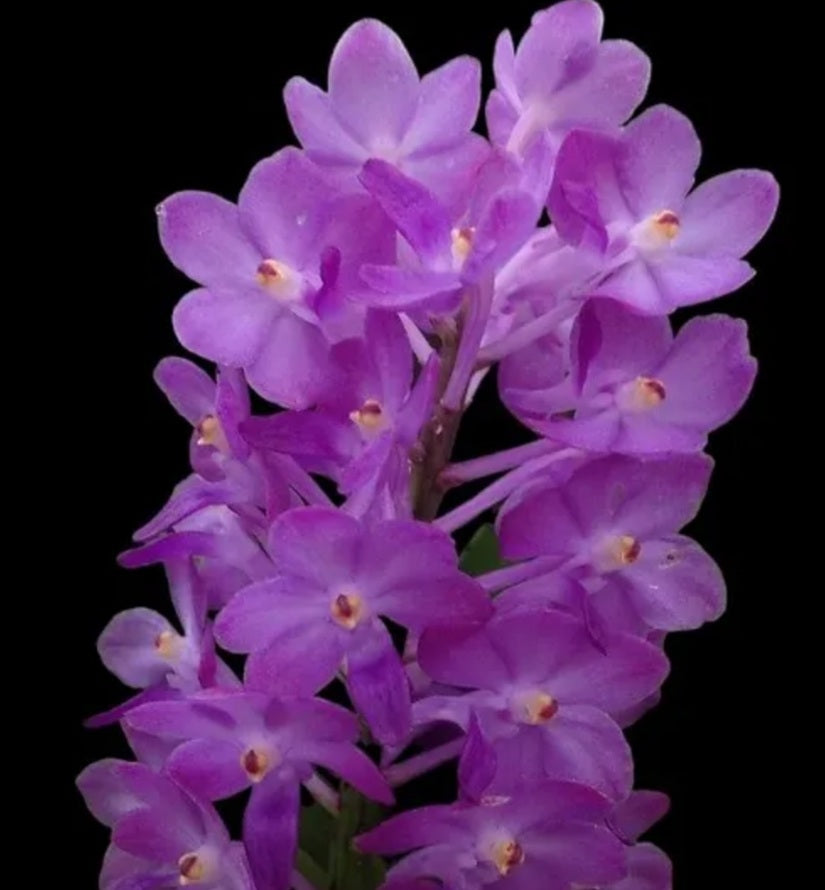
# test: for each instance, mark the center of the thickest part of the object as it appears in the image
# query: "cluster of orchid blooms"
(365, 284)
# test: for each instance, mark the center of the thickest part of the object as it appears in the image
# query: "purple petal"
(707, 374)
(201, 234)
(423, 827)
(316, 544)
(128, 647)
(283, 207)
(189, 388)
(373, 85)
(675, 585)
(258, 612)
(683, 280)
(557, 37)
(209, 768)
(643, 809)
(414, 210)
(296, 662)
(477, 764)
(416, 604)
(353, 766)
(396, 288)
(729, 214)
(462, 656)
(270, 830)
(586, 855)
(142, 833)
(660, 161)
(613, 84)
(378, 685)
(650, 869)
(226, 328)
(291, 366)
(447, 107)
(317, 128)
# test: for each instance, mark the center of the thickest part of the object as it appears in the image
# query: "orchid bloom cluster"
(365, 284)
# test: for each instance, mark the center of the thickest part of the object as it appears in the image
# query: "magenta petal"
(433, 600)
(643, 809)
(227, 329)
(316, 544)
(729, 214)
(477, 764)
(297, 662)
(201, 233)
(258, 612)
(396, 288)
(142, 834)
(462, 656)
(415, 211)
(584, 855)
(416, 828)
(270, 830)
(353, 766)
(373, 84)
(650, 869)
(208, 768)
(378, 685)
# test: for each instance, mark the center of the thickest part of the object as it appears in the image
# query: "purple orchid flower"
(378, 107)
(548, 836)
(335, 577)
(627, 197)
(542, 692)
(236, 740)
(612, 528)
(367, 424)
(561, 77)
(260, 267)
(215, 410)
(145, 651)
(630, 386)
(445, 254)
(162, 838)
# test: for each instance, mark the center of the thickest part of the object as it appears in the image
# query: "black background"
(159, 103)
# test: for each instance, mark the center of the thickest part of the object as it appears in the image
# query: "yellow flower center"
(347, 610)
(507, 855)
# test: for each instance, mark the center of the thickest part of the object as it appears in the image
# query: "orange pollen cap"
(255, 764)
(507, 855)
(192, 869)
(347, 610)
(666, 223)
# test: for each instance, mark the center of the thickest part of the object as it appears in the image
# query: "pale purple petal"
(373, 85)
(201, 233)
(662, 153)
(316, 544)
(353, 766)
(729, 214)
(270, 830)
(378, 685)
(447, 107)
(128, 647)
(188, 387)
(226, 328)
(209, 768)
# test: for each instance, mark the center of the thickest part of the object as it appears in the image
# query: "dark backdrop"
(160, 103)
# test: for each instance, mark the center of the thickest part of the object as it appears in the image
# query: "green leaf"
(350, 869)
(315, 835)
(482, 553)
(313, 872)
